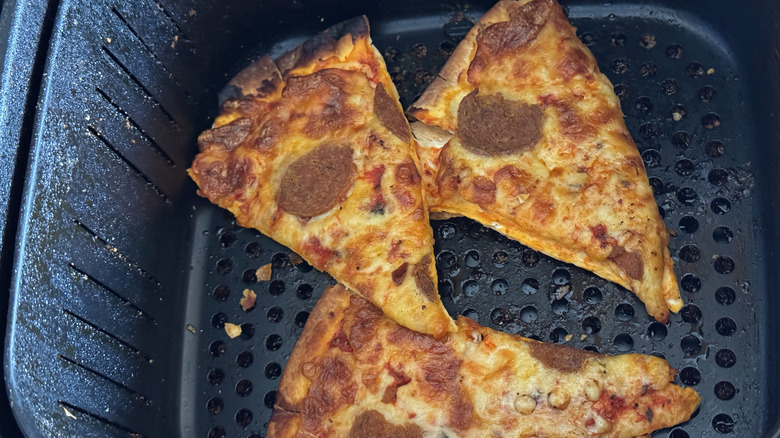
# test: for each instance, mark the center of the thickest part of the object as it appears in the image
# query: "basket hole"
(657, 331)
(530, 286)
(247, 330)
(269, 399)
(499, 259)
(684, 167)
(391, 53)
(690, 345)
(695, 70)
(720, 206)
(218, 320)
(304, 291)
(648, 131)
(217, 348)
(530, 258)
(273, 342)
(472, 259)
(276, 288)
(724, 265)
(279, 260)
(678, 112)
(723, 423)
(647, 40)
(622, 91)
(217, 432)
(592, 295)
(658, 355)
(300, 318)
(679, 433)
(561, 277)
(617, 39)
(558, 335)
(500, 316)
(715, 148)
(691, 313)
(675, 51)
(711, 121)
(669, 87)
(690, 376)
(591, 325)
(620, 66)
(273, 370)
(657, 185)
(687, 195)
(707, 94)
(688, 224)
(652, 158)
(446, 259)
(471, 313)
(624, 312)
(588, 39)
(648, 70)
(245, 359)
(559, 307)
(690, 283)
(624, 342)
(252, 249)
(446, 48)
(216, 376)
(725, 390)
(244, 386)
(227, 239)
(722, 235)
(224, 266)
(681, 139)
(221, 293)
(591, 348)
(275, 314)
(725, 358)
(725, 326)
(249, 276)
(470, 288)
(689, 253)
(528, 314)
(725, 295)
(215, 406)
(447, 231)
(718, 177)
(419, 50)
(445, 288)
(644, 104)
(243, 417)
(500, 287)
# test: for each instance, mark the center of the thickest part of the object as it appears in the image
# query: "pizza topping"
(389, 115)
(525, 404)
(329, 109)
(423, 278)
(610, 406)
(558, 398)
(399, 273)
(575, 62)
(447, 179)
(219, 178)
(572, 125)
(631, 262)
(400, 379)
(498, 39)
(228, 136)
(331, 388)
(406, 174)
(270, 132)
(592, 390)
(493, 126)
(317, 181)
(341, 342)
(559, 357)
(481, 191)
(597, 425)
(318, 254)
(373, 424)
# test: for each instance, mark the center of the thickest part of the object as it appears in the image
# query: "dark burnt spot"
(631, 262)
(227, 137)
(559, 357)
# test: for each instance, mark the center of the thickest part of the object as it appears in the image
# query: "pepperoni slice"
(389, 115)
(317, 181)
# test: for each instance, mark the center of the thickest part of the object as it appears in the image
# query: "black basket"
(121, 279)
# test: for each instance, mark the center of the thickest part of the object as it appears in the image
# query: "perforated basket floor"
(125, 280)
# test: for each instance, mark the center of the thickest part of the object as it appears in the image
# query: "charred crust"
(260, 78)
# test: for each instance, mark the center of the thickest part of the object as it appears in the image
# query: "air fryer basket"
(123, 279)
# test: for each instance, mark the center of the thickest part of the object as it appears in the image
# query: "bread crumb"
(191, 328)
(232, 330)
(264, 273)
(568, 338)
(249, 300)
(710, 71)
(69, 413)
(583, 336)
(295, 259)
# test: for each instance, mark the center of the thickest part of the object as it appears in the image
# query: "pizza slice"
(314, 151)
(522, 133)
(356, 373)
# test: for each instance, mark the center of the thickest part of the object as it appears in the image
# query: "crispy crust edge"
(324, 321)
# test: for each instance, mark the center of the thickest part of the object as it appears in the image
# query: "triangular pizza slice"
(314, 151)
(355, 373)
(521, 132)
